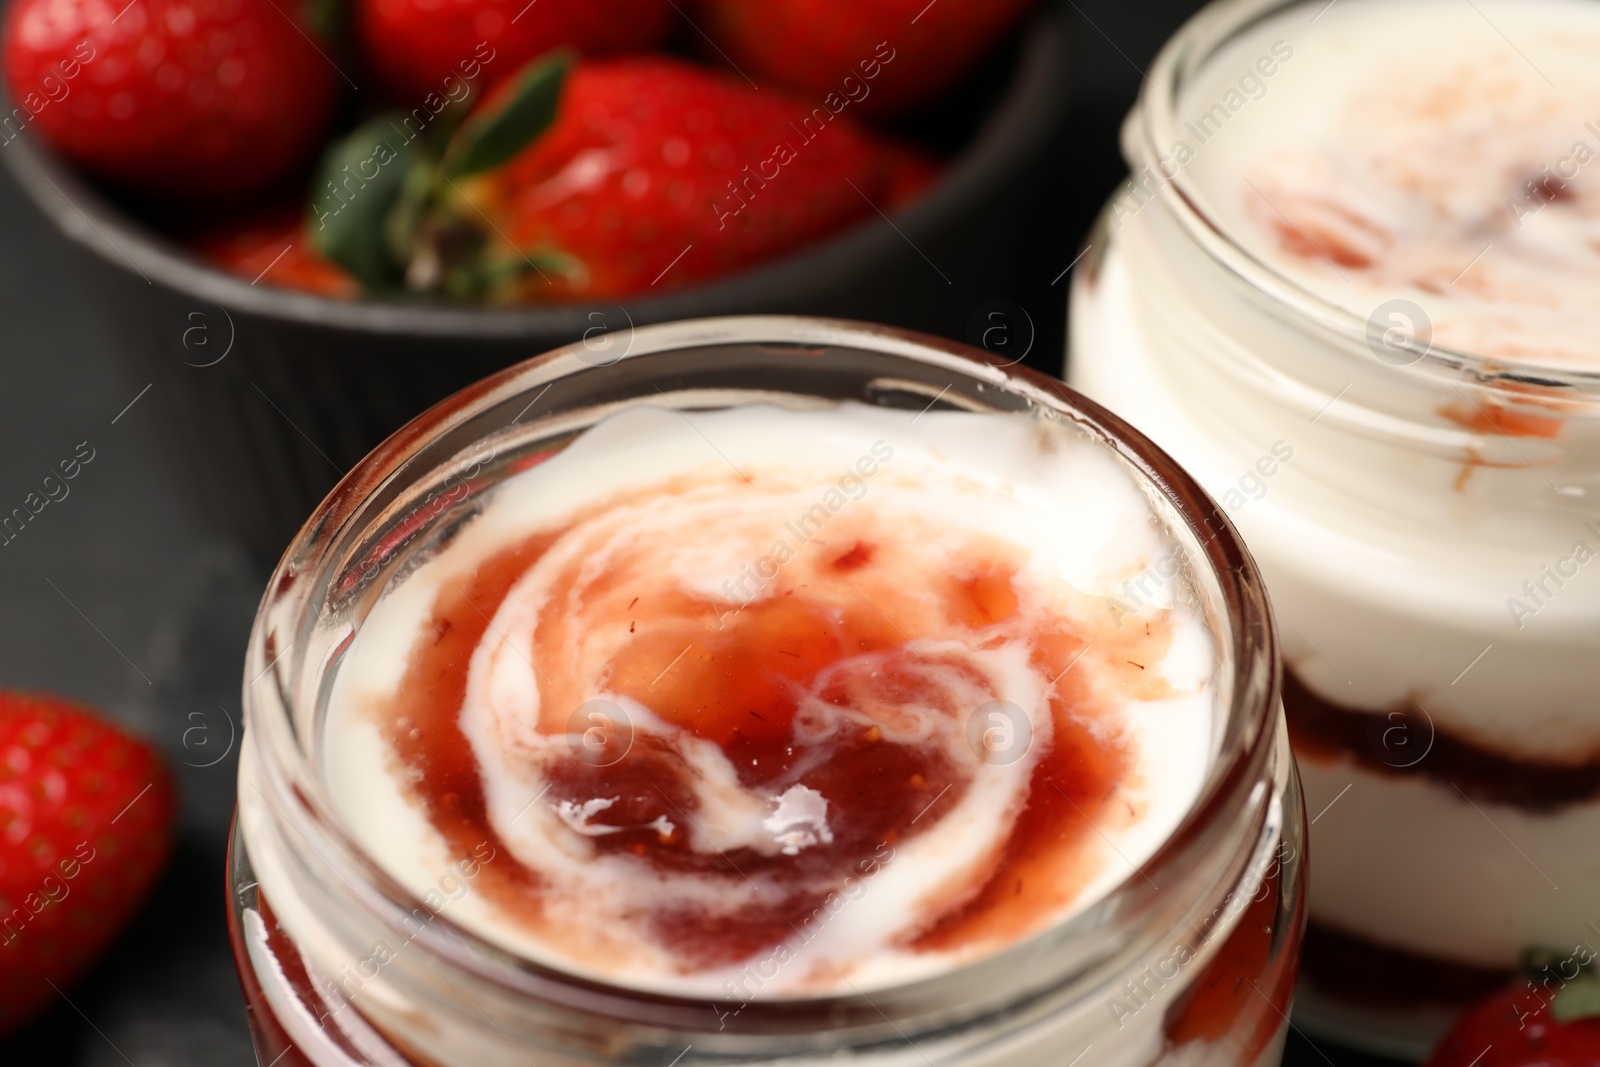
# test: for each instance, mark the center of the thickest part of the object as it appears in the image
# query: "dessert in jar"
(1352, 286)
(760, 690)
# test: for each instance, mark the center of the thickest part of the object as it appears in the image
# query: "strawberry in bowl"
(661, 173)
(195, 100)
(597, 180)
(514, 167)
(888, 56)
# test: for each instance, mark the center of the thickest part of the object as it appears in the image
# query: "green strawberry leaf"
(357, 184)
(511, 119)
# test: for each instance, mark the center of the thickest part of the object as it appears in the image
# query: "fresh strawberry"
(883, 56)
(414, 47)
(643, 174)
(1549, 1019)
(657, 174)
(209, 100)
(271, 248)
(85, 826)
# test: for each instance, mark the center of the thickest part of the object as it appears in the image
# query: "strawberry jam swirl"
(769, 726)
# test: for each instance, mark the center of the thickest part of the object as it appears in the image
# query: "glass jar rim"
(1233, 782)
(1155, 122)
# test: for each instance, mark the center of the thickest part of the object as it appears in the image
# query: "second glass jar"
(1401, 499)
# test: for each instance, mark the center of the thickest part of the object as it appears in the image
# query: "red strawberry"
(896, 53)
(271, 248)
(610, 178)
(85, 826)
(1551, 1019)
(657, 173)
(414, 46)
(201, 99)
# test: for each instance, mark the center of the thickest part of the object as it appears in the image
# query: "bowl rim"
(1018, 125)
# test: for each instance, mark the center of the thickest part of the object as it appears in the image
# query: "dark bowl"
(267, 396)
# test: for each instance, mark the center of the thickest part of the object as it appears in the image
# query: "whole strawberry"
(1549, 1019)
(596, 180)
(195, 100)
(85, 826)
(657, 174)
(416, 48)
(883, 56)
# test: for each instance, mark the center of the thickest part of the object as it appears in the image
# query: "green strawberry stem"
(381, 204)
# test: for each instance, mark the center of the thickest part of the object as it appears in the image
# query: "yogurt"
(1429, 151)
(771, 703)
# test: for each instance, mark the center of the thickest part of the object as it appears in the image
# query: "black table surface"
(120, 595)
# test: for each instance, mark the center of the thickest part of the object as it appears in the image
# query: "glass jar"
(1425, 520)
(1190, 959)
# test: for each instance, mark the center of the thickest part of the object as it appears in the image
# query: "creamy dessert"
(1426, 150)
(1351, 286)
(845, 700)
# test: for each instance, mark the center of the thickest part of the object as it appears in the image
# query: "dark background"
(120, 596)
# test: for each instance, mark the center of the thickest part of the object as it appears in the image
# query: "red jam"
(735, 678)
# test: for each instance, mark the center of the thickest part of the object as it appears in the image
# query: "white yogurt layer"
(767, 493)
(1495, 879)
(1436, 151)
